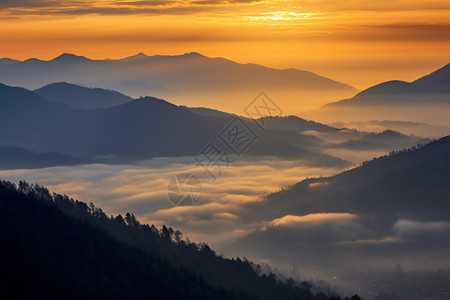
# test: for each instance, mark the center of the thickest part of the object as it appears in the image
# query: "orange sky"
(359, 42)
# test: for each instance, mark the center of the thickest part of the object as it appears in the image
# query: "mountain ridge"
(80, 97)
(190, 79)
(139, 129)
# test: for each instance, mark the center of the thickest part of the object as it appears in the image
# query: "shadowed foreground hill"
(55, 247)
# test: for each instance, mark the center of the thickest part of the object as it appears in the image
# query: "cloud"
(330, 246)
(151, 7)
(221, 212)
(368, 5)
(82, 7)
(408, 229)
(291, 220)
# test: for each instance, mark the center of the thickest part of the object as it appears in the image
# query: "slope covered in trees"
(54, 246)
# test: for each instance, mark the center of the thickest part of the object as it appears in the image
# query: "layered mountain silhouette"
(82, 97)
(426, 99)
(7, 61)
(360, 224)
(19, 158)
(430, 89)
(54, 247)
(382, 140)
(140, 129)
(410, 183)
(190, 79)
(291, 123)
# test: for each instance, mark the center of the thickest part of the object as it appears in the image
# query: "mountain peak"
(70, 57)
(441, 75)
(6, 61)
(138, 56)
(193, 54)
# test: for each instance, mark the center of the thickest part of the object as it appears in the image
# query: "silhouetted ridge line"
(59, 246)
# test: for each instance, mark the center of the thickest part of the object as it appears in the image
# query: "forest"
(54, 247)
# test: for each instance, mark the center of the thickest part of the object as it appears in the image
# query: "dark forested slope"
(55, 247)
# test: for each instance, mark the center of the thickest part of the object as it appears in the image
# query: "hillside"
(364, 224)
(53, 246)
(81, 97)
(433, 88)
(140, 129)
(425, 100)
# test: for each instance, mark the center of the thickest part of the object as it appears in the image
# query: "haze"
(310, 137)
(360, 42)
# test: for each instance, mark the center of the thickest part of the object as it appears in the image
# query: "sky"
(359, 42)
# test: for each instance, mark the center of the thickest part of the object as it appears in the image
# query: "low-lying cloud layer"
(343, 248)
(219, 214)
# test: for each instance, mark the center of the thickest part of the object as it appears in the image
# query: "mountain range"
(433, 88)
(58, 247)
(391, 210)
(190, 79)
(67, 129)
(139, 129)
(425, 100)
(80, 97)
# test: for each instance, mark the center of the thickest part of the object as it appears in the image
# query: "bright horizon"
(360, 43)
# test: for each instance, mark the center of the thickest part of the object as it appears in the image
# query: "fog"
(142, 189)
(340, 248)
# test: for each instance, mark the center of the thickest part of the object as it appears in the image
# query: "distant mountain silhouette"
(18, 158)
(7, 61)
(191, 79)
(426, 100)
(56, 247)
(290, 123)
(82, 97)
(210, 112)
(412, 183)
(382, 140)
(140, 129)
(432, 88)
(439, 77)
(297, 124)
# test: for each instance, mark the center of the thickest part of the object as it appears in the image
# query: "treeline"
(396, 152)
(54, 246)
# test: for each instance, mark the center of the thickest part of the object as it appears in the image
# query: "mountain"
(291, 123)
(140, 129)
(297, 124)
(392, 213)
(190, 79)
(382, 140)
(411, 176)
(439, 77)
(81, 97)
(53, 247)
(426, 100)
(210, 112)
(18, 158)
(7, 61)
(430, 89)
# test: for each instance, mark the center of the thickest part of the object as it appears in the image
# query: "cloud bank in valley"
(220, 213)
